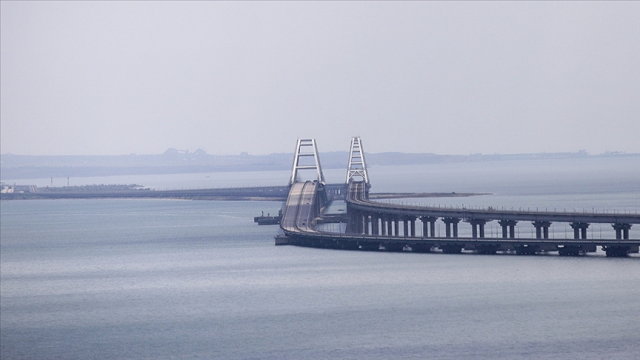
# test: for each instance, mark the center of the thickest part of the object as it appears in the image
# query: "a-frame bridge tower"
(357, 168)
(305, 149)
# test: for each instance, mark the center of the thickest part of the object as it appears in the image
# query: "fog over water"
(227, 77)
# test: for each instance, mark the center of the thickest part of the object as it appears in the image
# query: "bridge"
(375, 226)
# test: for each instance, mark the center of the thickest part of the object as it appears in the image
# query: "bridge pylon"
(305, 149)
(357, 165)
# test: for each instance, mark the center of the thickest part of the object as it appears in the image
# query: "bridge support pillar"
(542, 229)
(579, 230)
(383, 225)
(351, 226)
(409, 226)
(477, 227)
(375, 228)
(412, 225)
(510, 226)
(396, 226)
(405, 226)
(360, 223)
(428, 222)
(622, 230)
(451, 224)
(364, 223)
(367, 223)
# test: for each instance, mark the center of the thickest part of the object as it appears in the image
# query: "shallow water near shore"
(167, 279)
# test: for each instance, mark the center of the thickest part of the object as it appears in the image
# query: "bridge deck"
(357, 200)
(299, 215)
(299, 224)
(373, 225)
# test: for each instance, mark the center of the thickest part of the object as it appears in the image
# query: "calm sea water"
(167, 279)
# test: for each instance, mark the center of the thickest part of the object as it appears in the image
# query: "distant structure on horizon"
(174, 151)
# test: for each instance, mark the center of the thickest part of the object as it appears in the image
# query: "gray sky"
(440, 77)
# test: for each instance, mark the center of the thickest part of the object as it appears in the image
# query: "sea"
(177, 279)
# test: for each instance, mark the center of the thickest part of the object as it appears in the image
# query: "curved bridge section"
(301, 209)
(392, 227)
(376, 220)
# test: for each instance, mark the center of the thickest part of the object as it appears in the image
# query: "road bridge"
(392, 227)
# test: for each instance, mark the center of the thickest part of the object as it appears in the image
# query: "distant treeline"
(176, 162)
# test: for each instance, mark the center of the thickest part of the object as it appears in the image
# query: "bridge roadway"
(358, 201)
(375, 226)
(299, 213)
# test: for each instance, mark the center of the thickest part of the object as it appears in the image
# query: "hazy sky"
(440, 77)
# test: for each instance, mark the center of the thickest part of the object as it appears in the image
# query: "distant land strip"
(380, 196)
(261, 193)
(174, 162)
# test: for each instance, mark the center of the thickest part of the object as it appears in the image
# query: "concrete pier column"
(365, 224)
(374, 224)
(477, 227)
(405, 227)
(542, 229)
(510, 226)
(413, 227)
(428, 222)
(433, 227)
(372, 221)
(453, 222)
(383, 225)
(411, 220)
(579, 230)
(354, 221)
(622, 230)
(396, 226)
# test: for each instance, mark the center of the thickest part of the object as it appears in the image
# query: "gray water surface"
(169, 279)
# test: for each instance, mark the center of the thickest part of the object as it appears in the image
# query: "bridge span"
(372, 225)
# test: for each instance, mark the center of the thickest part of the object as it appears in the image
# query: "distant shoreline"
(42, 167)
(264, 193)
(380, 196)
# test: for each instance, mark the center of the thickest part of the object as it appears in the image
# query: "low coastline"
(262, 193)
